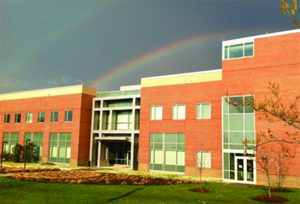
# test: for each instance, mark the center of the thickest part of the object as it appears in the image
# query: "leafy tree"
(291, 7)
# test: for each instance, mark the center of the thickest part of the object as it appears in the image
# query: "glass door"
(244, 169)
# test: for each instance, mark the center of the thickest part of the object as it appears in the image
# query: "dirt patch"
(89, 177)
(272, 199)
(200, 190)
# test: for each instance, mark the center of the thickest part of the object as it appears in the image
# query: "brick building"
(186, 117)
(169, 123)
(58, 120)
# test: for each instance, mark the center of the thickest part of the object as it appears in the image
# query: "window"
(37, 139)
(17, 117)
(54, 116)
(203, 159)
(10, 139)
(60, 147)
(238, 50)
(167, 152)
(123, 120)
(29, 117)
(156, 112)
(203, 111)
(178, 112)
(7, 118)
(41, 117)
(68, 115)
(238, 123)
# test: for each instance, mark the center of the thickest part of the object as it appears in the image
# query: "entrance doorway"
(244, 169)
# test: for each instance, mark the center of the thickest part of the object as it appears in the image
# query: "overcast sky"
(106, 44)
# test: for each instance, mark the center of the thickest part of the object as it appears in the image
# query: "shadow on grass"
(125, 195)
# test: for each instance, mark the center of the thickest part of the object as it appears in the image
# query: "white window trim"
(154, 117)
(173, 115)
(201, 104)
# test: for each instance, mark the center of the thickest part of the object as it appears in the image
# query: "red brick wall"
(277, 59)
(80, 104)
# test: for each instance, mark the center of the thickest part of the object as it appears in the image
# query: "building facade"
(115, 128)
(190, 119)
(172, 123)
(57, 120)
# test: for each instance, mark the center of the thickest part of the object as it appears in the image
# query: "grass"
(13, 191)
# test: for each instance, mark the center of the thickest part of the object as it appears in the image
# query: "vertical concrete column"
(92, 129)
(132, 151)
(110, 120)
(99, 154)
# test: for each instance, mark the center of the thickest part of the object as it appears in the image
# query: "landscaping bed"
(89, 177)
(19, 169)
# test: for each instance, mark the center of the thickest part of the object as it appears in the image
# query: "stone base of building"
(143, 167)
(289, 181)
(205, 173)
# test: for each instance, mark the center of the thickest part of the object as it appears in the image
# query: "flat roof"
(183, 78)
(251, 38)
(57, 91)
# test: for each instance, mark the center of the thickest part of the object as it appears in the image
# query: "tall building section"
(115, 127)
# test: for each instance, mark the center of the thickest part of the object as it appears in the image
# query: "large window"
(238, 123)
(238, 50)
(10, 139)
(122, 120)
(41, 117)
(7, 118)
(178, 112)
(29, 117)
(36, 138)
(203, 111)
(68, 115)
(54, 116)
(60, 147)
(17, 117)
(156, 112)
(167, 152)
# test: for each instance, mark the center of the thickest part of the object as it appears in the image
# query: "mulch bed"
(200, 190)
(5, 170)
(272, 199)
(87, 177)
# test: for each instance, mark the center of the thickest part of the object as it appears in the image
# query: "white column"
(99, 154)
(132, 151)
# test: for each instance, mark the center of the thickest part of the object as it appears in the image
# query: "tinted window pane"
(236, 51)
(249, 49)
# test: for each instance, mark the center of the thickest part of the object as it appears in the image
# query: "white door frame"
(245, 159)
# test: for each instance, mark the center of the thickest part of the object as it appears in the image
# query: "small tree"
(18, 151)
(275, 109)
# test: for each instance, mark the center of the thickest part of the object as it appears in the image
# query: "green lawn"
(12, 191)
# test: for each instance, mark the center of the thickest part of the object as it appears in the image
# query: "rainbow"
(162, 52)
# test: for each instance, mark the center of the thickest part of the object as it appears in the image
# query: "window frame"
(18, 118)
(7, 118)
(205, 165)
(52, 116)
(154, 117)
(67, 116)
(27, 117)
(201, 112)
(226, 49)
(41, 113)
(177, 106)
